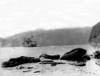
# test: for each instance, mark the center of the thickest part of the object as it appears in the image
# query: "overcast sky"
(22, 15)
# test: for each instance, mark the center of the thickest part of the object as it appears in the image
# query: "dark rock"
(27, 71)
(86, 57)
(20, 67)
(13, 62)
(47, 61)
(51, 62)
(56, 63)
(53, 57)
(74, 55)
(97, 55)
(29, 67)
(95, 34)
(78, 64)
(37, 71)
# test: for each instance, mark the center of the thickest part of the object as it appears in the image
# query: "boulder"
(86, 57)
(75, 55)
(13, 62)
(53, 57)
(95, 34)
(97, 55)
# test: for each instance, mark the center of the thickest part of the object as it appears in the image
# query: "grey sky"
(22, 15)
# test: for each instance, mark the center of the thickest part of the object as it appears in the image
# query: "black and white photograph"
(49, 37)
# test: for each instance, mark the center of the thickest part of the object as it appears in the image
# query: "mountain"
(56, 37)
(95, 34)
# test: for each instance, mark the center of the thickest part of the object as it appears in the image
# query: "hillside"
(95, 34)
(56, 37)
